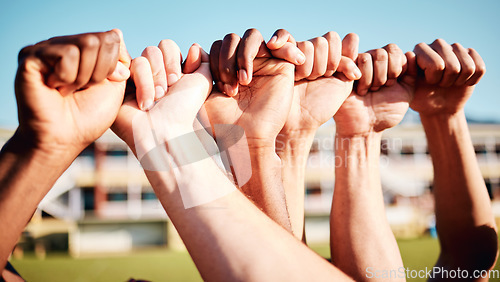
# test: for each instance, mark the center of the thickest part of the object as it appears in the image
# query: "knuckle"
(331, 35)
(151, 51)
(421, 46)
(320, 42)
(281, 31)
(352, 35)
(308, 45)
(89, 41)
(231, 37)
(380, 55)
(439, 42)
(168, 44)
(363, 59)
(252, 30)
(72, 52)
(457, 46)
(111, 38)
(393, 49)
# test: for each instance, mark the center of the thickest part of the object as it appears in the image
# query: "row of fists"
(69, 89)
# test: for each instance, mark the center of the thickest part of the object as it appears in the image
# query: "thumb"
(122, 70)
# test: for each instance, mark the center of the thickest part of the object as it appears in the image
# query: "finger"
(467, 65)
(248, 49)
(63, 60)
(349, 68)
(480, 67)
(452, 65)
(430, 62)
(193, 59)
(365, 65)
(155, 58)
(228, 65)
(214, 64)
(279, 38)
(350, 45)
(107, 57)
(320, 57)
(334, 52)
(122, 70)
(291, 53)
(124, 56)
(410, 75)
(172, 59)
(305, 69)
(143, 80)
(89, 45)
(380, 60)
(397, 61)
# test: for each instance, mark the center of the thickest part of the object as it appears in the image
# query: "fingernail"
(273, 39)
(242, 76)
(159, 92)
(147, 105)
(172, 78)
(228, 89)
(301, 58)
(357, 73)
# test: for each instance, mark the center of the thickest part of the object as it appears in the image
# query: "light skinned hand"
(323, 82)
(174, 111)
(381, 97)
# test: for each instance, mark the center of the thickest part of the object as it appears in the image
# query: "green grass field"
(163, 265)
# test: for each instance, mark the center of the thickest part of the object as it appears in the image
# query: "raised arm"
(322, 84)
(228, 237)
(464, 220)
(260, 87)
(68, 91)
(361, 241)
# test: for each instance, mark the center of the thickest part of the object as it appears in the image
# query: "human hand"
(175, 111)
(382, 96)
(69, 89)
(323, 82)
(260, 84)
(447, 77)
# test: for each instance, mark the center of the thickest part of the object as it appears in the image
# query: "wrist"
(49, 154)
(368, 144)
(441, 118)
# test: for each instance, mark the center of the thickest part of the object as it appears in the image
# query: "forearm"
(361, 237)
(458, 183)
(265, 187)
(229, 238)
(293, 152)
(26, 174)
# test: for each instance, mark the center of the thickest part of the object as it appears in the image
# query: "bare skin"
(68, 90)
(259, 104)
(213, 230)
(322, 84)
(464, 220)
(361, 240)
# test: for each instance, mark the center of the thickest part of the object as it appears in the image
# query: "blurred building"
(104, 202)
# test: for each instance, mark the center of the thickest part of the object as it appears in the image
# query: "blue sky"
(404, 22)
